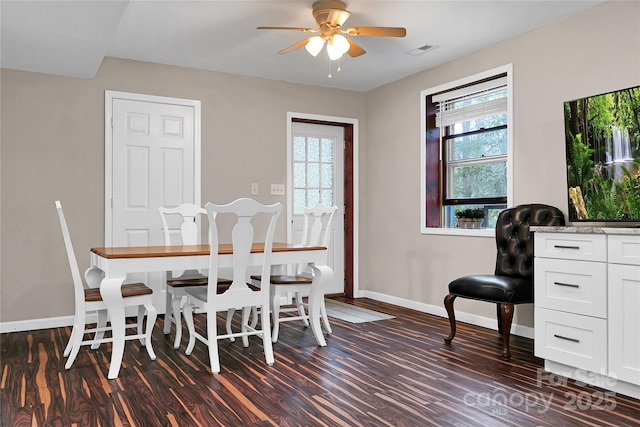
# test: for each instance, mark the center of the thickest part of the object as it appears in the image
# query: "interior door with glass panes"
(317, 176)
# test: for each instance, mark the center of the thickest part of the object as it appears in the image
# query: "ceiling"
(71, 38)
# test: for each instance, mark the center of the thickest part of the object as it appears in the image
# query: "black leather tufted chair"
(512, 282)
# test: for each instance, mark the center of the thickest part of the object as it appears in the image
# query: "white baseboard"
(35, 324)
(473, 319)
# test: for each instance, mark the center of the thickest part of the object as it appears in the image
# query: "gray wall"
(593, 52)
(53, 147)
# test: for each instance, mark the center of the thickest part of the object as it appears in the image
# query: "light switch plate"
(255, 189)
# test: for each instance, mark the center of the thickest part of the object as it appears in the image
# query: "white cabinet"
(587, 304)
(624, 308)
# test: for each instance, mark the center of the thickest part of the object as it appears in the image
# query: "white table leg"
(110, 289)
(322, 275)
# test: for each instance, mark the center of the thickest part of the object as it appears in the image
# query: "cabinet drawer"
(585, 247)
(574, 340)
(574, 286)
(624, 249)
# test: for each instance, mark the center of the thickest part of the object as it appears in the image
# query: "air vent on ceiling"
(422, 49)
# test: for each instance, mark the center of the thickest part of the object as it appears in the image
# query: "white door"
(154, 161)
(317, 176)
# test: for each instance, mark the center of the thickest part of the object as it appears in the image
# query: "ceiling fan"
(330, 15)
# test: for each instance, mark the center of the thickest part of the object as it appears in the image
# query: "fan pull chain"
(339, 67)
(330, 76)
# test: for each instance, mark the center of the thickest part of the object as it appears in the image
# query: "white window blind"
(484, 99)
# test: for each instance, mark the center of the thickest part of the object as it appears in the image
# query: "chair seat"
(201, 293)
(130, 290)
(196, 281)
(498, 289)
(286, 280)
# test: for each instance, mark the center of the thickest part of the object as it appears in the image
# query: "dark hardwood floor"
(396, 372)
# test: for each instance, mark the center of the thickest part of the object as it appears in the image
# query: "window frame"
(427, 165)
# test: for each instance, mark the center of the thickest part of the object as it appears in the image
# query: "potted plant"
(476, 215)
(470, 217)
(463, 219)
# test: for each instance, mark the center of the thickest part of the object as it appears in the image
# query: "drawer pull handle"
(569, 285)
(566, 338)
(566, 247)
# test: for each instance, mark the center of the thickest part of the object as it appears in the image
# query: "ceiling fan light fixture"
(314, 45)
(337, 46)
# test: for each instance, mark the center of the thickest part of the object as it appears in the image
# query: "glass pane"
(299, 175)
(299, 148)
(327, 176)
(481, 123)
(475, 181)
(327, 197)
(313, 198)
(327, 150)
(491, 143)
(313, 175)
(314, 149)
(299, 201)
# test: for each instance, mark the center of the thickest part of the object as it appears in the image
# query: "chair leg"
(301, 311)
(506, 316)
(275, 310)
(152, 315)
(448, 305)
(187, 311)
(212, 341)
(103, 317)
(254, 317)
(74, 331)
(266, 334)
(325, 318)
(245, 325)
(230, 313)
(168, 314)
(176, 317)
(79, 327)
(499, 317)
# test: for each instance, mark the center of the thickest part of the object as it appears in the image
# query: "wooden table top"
(188, 250)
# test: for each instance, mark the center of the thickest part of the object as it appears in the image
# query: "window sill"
(469, 232)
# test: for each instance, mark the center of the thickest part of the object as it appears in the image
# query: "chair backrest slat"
(242, 237)
(313, 224)
(78, 285)
(189, 233)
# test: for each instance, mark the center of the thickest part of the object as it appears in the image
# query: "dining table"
(110, 266)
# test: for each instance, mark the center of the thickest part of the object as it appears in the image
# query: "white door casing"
(152, 158)
(322, 134)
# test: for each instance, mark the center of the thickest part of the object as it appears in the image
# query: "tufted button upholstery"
(512, 282)
(514, 241)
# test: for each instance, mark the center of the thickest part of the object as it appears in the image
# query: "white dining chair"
(298, 285)
(177, 281)
(239, 295)
(89, 300)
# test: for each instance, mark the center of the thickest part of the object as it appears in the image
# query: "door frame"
(109, 97)
(351, 191)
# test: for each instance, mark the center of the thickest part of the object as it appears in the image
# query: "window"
(313, 174)
(466, 151)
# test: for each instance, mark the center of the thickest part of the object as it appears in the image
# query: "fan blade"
(355, 49)
(377, 31)
(337, 17)
(295, 46)
(304, 30)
